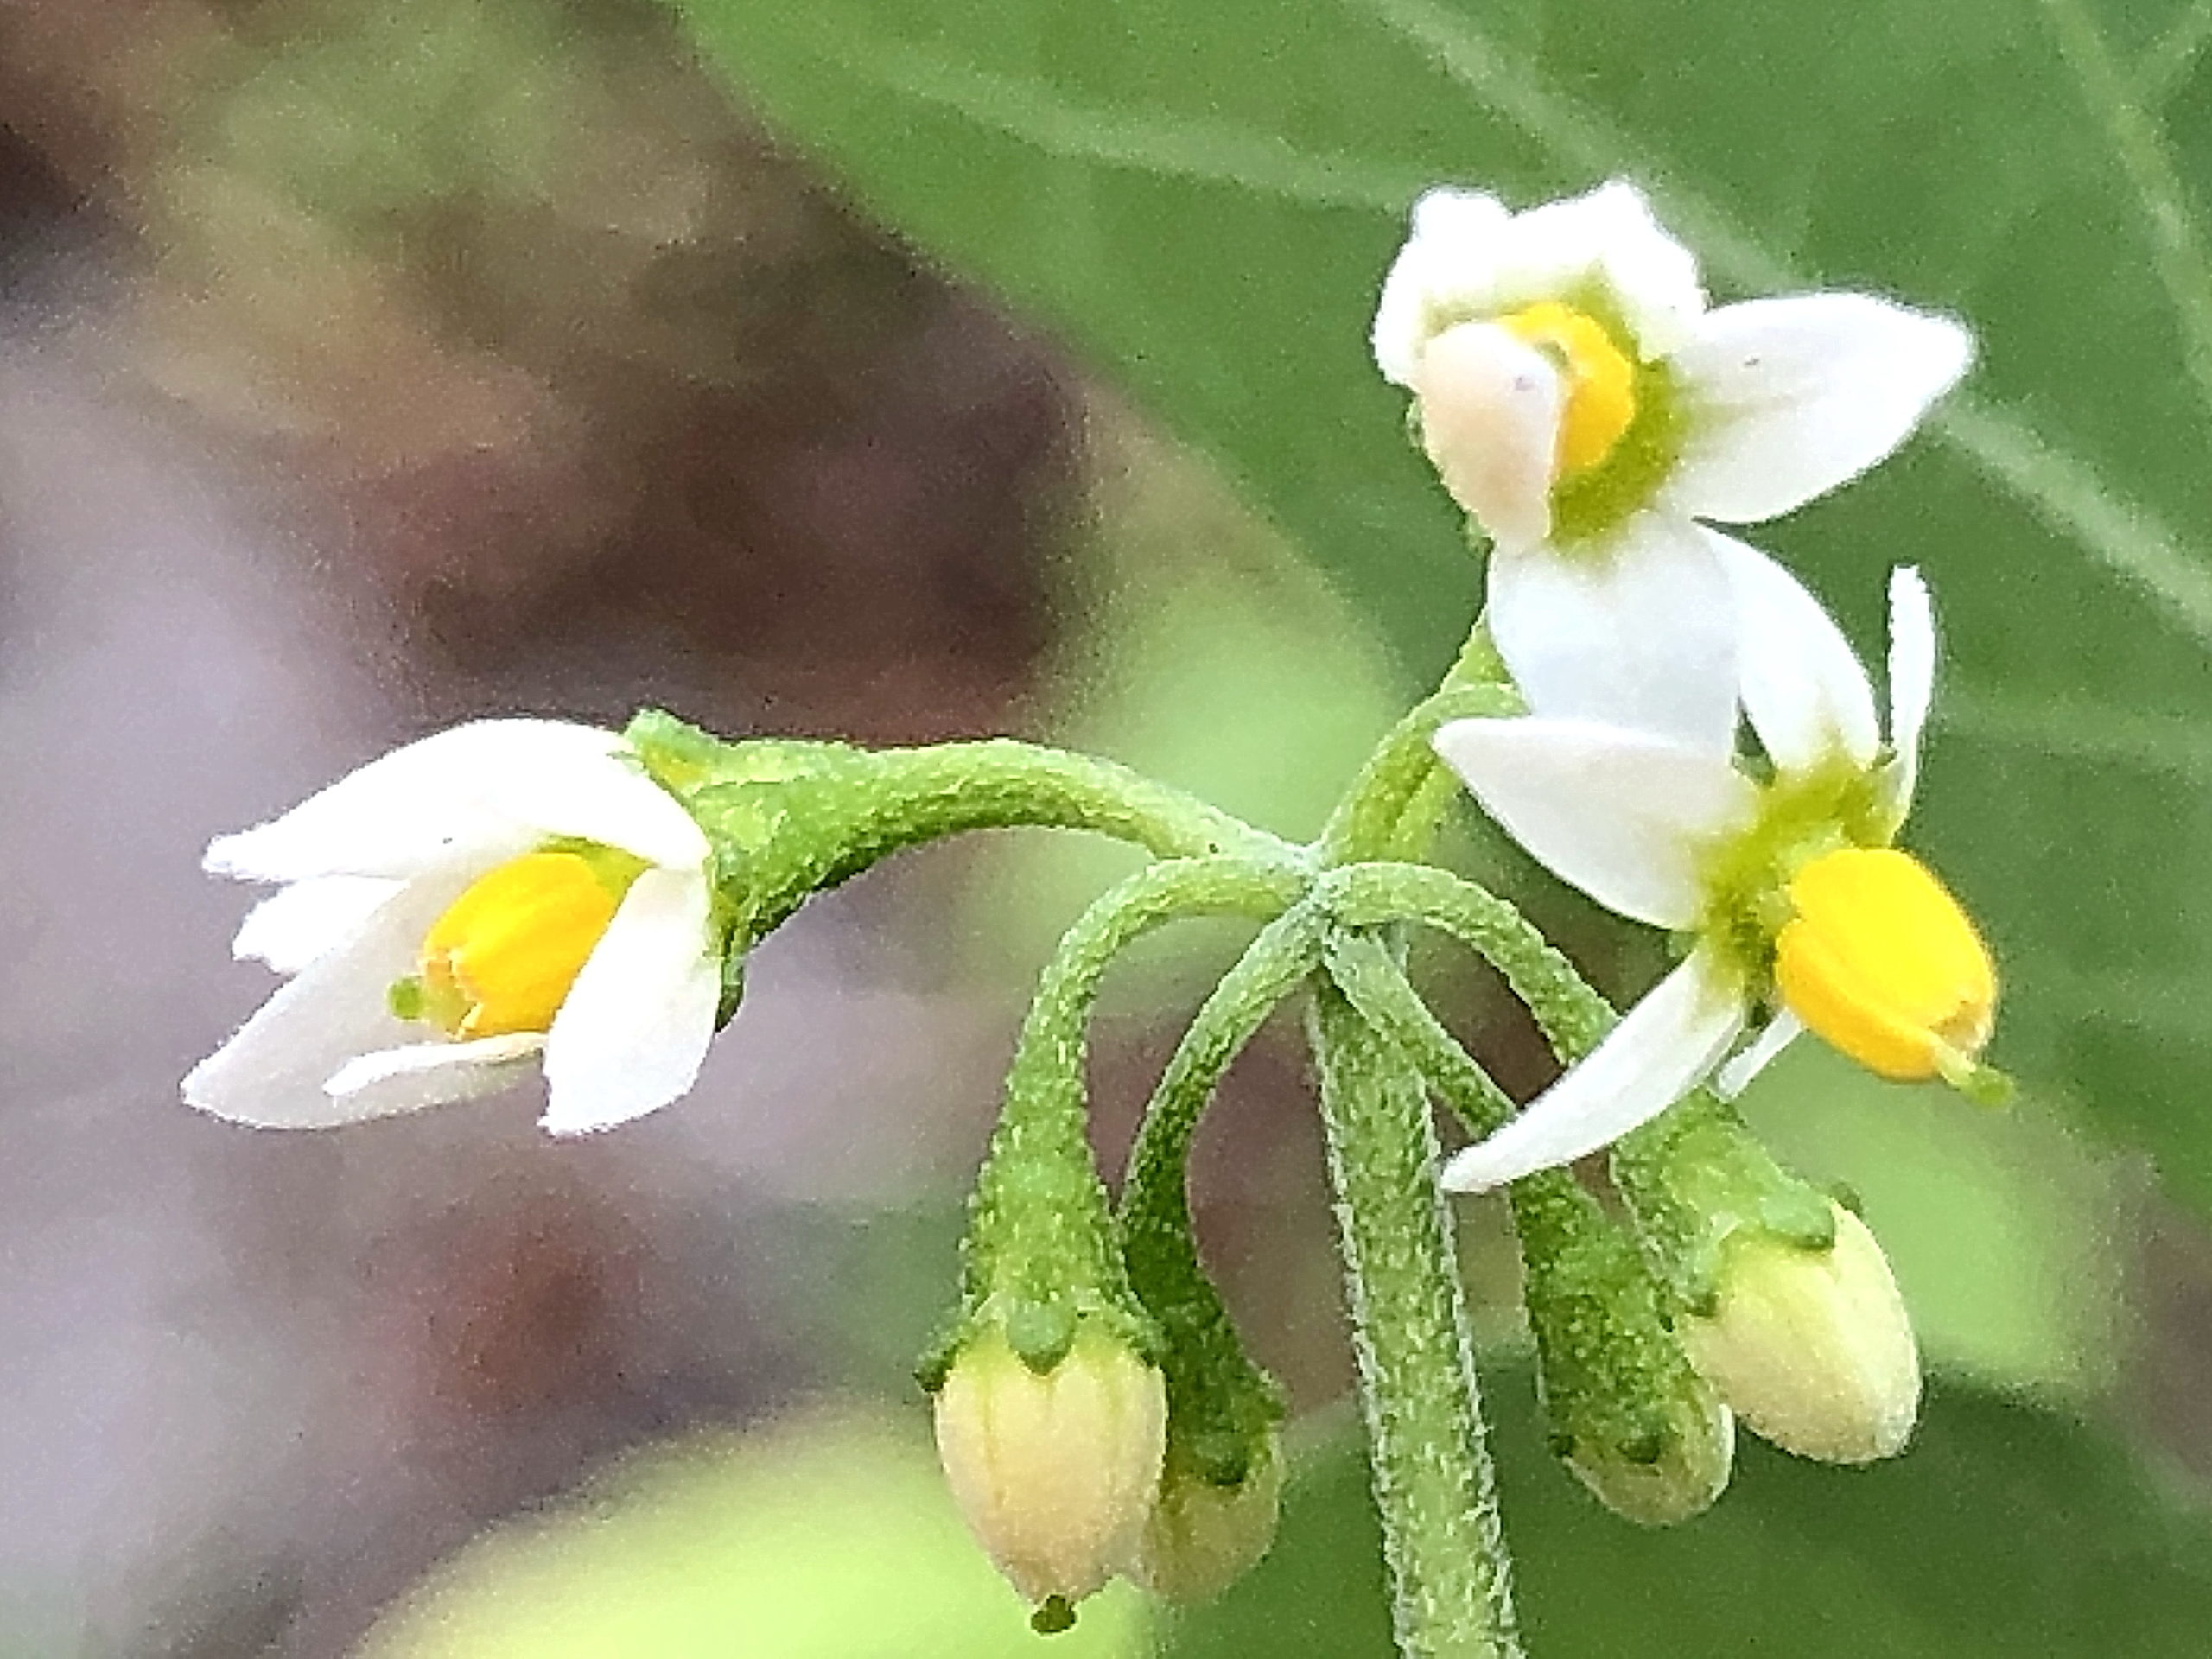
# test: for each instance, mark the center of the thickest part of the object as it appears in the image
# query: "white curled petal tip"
(1621, 814)
(1786, 398)
(1490, 406)
(1912, 673)
(1803, 687)
(290, 929)
(1444, 266)
(272, 1072)
(1639, 632)
(443, 798)
(634, 1029)
(1736, 1076)
(419, 1075)
(1668, 1044)
(1612, 234)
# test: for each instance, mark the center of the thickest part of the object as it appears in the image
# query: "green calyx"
(1745, 876)
(1698, 1182)
(1590, 504)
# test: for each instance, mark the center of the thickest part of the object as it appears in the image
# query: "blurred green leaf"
(826, 1537)
(1204, 197)
(2007, 1532)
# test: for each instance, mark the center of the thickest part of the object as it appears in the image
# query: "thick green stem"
(1627, 1410)
(1001, 783)
(789, 819)
(1434, 1487)
(1433, 1483)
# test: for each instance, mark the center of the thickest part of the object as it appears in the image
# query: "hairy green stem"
(1574, 1017)
(1221, 1407)
(1434, 1487)
(1394, 805)
(1000, 783)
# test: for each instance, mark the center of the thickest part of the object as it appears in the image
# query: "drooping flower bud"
(1203, 1534)
(1628, 1414)
(1055, 1471)
(1811, 1346)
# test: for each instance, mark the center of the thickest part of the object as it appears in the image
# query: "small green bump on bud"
(1055, 1473)
(1205, 1534)
(1054, 1617)
(1041, 1332)
(1664, 1477)
(1812, 1348)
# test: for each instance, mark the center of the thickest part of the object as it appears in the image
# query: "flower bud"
(1204, 1536)
(1811, 1346)
(1055, 1472)
(1628, 1413)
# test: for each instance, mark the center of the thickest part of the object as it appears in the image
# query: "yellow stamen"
(503, 955)
(1600, 380)
(1880, 960)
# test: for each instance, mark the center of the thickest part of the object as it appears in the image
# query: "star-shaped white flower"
(1795, 902)
(498, 897)
(1585, 406)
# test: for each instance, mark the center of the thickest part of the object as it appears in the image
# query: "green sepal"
(1695, 1178)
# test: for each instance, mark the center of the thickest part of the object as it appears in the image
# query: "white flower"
(1583, 404)
(519, 890)
(1789, 889)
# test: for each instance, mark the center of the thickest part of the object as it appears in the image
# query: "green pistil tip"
(405, 998)
(1984, 1085)
(1055, 1616)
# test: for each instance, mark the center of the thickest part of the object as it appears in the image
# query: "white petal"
(477, 793)
(1489, 414)
(407, 1079)
(1638, 633)
(1736, 1076)
(1668, 1044)
(1609, 234)
(1787, 398)
(1803, 686)
(290, 929)
(271, 1073)
(1440, 277)
(634, 1030)
(1912, 673)
(1621, 814)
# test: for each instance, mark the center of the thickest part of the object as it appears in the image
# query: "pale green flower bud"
(1810, 1346)
(1054, 1471)
(1204, 1536)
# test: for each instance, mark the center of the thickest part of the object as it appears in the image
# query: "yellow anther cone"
(1601, 379)
(503, 955)
(1881, 961)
